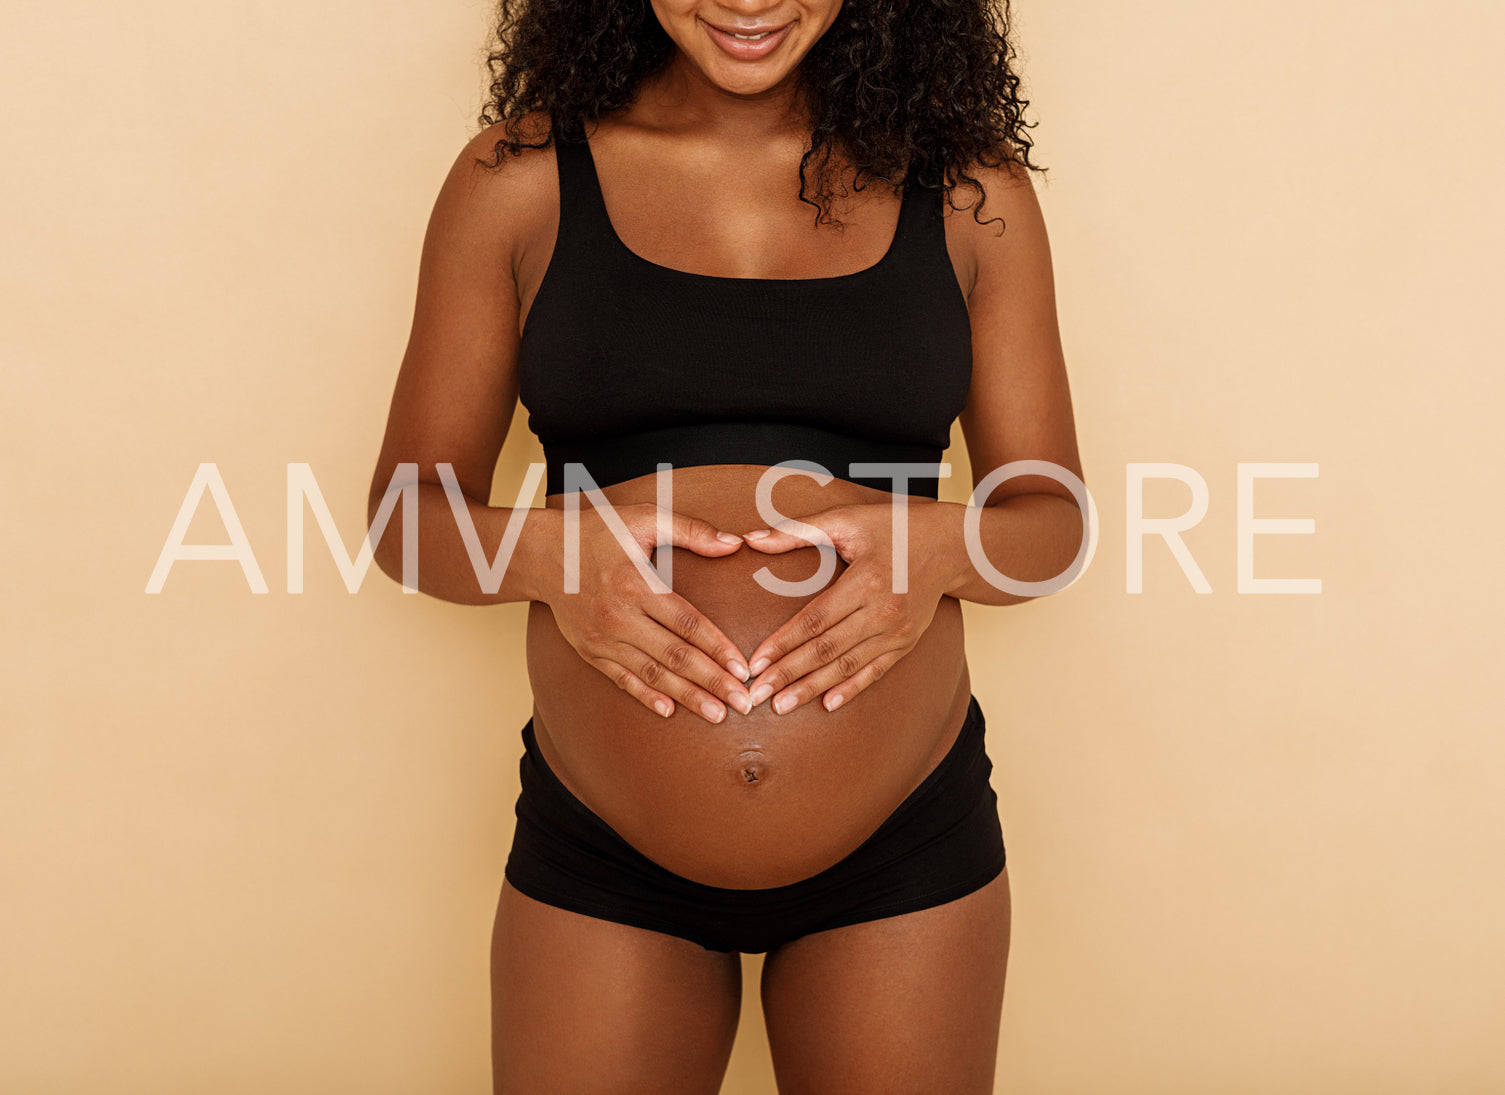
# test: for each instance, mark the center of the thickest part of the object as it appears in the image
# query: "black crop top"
(625, 363)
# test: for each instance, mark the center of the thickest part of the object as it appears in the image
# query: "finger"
(692, 664)
(821, 650)
(633, 685)
(832, 527)
(689, 623)
(826, 610)
(657, 676)
(701, 537)
(775, 540)
(840, 680)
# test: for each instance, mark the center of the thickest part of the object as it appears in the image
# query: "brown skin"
(735, 799)
(752, 801)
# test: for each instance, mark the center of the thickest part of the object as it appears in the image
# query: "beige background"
(253, 843)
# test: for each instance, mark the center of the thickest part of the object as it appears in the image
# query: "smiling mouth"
(748, 45)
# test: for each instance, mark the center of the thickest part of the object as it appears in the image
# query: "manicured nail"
(761, 693)
(783, 704)
(738, 670)
(712, 711)
(742, 702)
(756, 534)
(760, 665)
(833, 702)
(662, 707)
(728, 537)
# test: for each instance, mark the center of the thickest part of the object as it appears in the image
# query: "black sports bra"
(625, 363)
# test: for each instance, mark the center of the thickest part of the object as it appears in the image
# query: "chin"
(744, 85)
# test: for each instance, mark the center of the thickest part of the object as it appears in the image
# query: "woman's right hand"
(649, 640)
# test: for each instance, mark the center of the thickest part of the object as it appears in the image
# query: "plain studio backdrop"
(253, 842)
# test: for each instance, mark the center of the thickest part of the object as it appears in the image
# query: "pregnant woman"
(728, 239)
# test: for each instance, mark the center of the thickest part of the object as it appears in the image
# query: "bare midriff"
(761, 799)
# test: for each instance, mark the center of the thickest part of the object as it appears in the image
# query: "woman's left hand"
(854, 630)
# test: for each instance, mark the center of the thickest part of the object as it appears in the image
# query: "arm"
(453, 403)
(1018, 408)
(457, 388)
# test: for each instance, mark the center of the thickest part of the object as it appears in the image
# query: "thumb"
(701, 537)
(787, 536)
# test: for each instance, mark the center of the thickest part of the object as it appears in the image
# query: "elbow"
(1045, 553)
(386, 542)
(1063, 558)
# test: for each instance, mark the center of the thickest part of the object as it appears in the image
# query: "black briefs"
(942, 842)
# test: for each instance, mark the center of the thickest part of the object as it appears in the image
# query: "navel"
(751, 768)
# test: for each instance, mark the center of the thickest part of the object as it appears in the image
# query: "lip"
(744, 50)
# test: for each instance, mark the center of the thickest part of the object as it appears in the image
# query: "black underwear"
(942, 842)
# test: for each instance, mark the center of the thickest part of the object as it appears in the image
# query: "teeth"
(751, 37)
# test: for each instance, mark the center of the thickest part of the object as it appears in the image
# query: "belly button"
(751, 769)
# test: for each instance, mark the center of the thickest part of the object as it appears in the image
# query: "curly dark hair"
(891, 82)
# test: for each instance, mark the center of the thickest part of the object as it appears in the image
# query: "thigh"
(906, 1005)
(583, 1006)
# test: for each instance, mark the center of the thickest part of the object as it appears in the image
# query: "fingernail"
(738, 670)
(761, 693)
(662, 707)
(783, 704)
(833, 702)
(756, 534)
(728, 537)
(760, 665)
(712, 711)
(742, 702)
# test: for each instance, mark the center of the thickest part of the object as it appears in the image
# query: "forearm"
(445, 567)
(1027, 537)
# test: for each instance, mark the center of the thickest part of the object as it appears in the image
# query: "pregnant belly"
(761, 799)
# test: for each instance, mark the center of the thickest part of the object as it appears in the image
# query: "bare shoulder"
(496, 202)
(502, 171)
(1000, 227)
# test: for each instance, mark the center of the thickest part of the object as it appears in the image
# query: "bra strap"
(582, 210)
